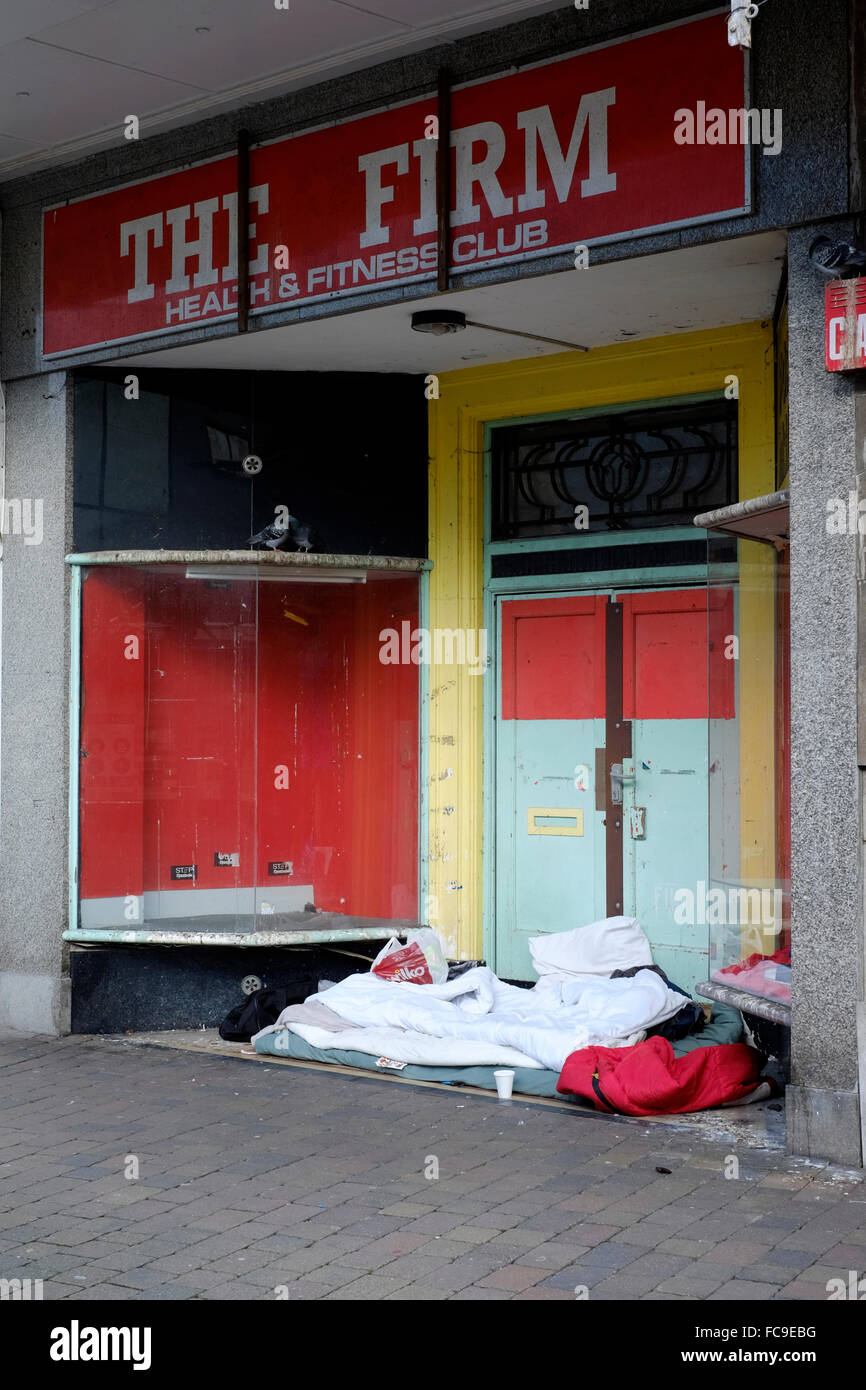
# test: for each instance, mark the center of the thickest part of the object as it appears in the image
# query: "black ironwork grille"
(641, 468)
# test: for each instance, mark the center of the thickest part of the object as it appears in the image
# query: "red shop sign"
(845, 324)
(576, 150)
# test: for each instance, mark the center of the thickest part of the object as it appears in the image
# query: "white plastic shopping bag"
(420, 962)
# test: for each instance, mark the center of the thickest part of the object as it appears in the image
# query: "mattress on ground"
(530, 1081)
(724, 1026)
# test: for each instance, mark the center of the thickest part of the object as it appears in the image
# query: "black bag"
(262, 1008)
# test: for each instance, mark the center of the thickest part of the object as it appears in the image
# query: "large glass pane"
(747, 899)
(165, 470)
(338, 752)
(168, 784)
(248, 762)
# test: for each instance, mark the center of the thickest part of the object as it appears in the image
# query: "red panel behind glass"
(112, 736)
(185, 744)
(347, 728)
(665, 657)
(200, 712)
(553, 658)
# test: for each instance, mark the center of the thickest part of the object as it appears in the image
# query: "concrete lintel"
(269, 558)
(153, 936)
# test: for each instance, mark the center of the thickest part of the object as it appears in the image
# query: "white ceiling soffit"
(723, 283)
(71, 71)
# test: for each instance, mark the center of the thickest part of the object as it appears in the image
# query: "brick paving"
(259, 1181)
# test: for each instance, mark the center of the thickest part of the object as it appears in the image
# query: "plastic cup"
(504, 1083)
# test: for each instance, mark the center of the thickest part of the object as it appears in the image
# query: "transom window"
(616, 472)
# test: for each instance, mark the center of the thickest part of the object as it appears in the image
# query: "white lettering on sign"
(545, 160)
(425, 152)
(139, 234)
(837, 333)
(360, 271)
(836, 347)
(526, 236)
(480, 170)
(376, 193)
(539, 127)
(201, 248)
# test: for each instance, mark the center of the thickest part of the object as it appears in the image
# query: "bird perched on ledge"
(835, 259)
(274, 537)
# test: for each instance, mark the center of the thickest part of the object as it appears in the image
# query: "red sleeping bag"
(649, 1079)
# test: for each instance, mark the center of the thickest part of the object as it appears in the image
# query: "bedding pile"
(600, 1007)
(478, 1020)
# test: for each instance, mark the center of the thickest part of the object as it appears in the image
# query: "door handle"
(617, 779)
(616, 783)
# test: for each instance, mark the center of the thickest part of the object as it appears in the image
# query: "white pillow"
(616, 943)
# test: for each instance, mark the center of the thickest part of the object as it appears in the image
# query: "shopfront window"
(248, 762)
(747, 903)
(159, 460)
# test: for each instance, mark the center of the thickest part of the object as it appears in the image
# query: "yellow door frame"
(684, 364)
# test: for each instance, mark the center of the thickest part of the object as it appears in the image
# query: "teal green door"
(550, 838)
(584, 830)
(665, 840)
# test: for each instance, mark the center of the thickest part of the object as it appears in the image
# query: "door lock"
(637, 822)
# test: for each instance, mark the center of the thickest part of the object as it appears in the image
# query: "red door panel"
(553, 658)
(665, 667)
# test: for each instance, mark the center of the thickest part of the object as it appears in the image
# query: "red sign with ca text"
(606, 143)
(845, 324)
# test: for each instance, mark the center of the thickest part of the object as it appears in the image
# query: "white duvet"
(478, 1020)
(417, 1049)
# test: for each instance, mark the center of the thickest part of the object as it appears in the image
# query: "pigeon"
(270, 538)
(274, 536)
(302, 535)
(836, 258)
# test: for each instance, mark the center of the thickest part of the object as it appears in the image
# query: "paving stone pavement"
(258, 1181)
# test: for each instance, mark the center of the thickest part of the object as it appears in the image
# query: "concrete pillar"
(826, 844)
(34, 652)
